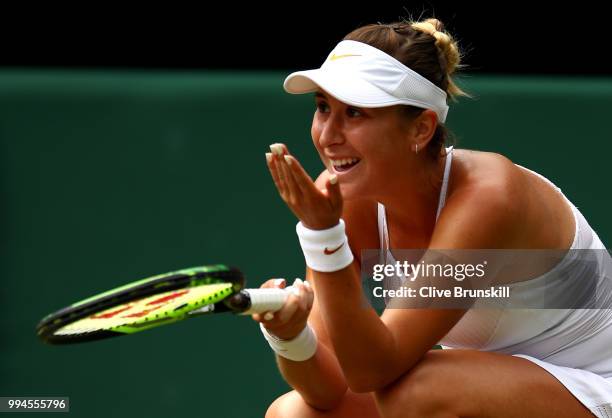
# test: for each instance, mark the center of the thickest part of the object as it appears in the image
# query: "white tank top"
(579, 338)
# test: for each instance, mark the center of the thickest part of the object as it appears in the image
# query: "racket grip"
(262, 300)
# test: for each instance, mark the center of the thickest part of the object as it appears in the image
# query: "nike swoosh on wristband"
(337, 57)
(329, 252)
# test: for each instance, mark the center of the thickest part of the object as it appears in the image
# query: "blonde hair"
(449, 51)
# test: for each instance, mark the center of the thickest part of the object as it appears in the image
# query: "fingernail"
(288, 159)
(277, 149)
(279, 282)
(297, 281)
(268, 316)
(268, 156)
(296, 291)
(333, 179)
(307, 283)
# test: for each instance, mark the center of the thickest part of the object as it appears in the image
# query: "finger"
(291, 306)
(303, 181)
(284, 148)
(272, 283)
(264, 317)
(303, 298)
(277, 152)
(294, 192)
(310, 294)
(272, 166)
(268, 316)
(333, 191)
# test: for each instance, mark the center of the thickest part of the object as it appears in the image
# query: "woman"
(378, 127)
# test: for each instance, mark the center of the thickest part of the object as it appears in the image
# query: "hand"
(316, 209)
(290, 320)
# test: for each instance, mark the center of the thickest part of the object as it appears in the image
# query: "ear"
(424, 127)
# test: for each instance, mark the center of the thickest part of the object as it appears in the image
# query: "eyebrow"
(320, 95)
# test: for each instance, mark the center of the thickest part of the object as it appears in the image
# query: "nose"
(331, 131)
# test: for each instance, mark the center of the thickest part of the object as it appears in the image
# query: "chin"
(350, 192)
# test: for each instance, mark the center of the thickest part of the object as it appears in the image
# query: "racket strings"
(149, 311)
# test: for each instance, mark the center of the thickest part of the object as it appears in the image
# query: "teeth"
(344, 161)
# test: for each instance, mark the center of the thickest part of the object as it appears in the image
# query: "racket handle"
(262, 300)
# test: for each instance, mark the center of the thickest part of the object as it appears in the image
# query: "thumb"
(280, 283)
(272, 283)
(333, 190)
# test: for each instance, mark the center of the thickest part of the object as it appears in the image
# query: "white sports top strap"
(383, 232)
(442, 198)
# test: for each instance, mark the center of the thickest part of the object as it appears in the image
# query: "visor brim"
(347, 88)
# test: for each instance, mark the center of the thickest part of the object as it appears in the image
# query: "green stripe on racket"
(158, 300)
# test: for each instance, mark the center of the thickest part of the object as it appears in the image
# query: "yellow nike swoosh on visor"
(337, 57)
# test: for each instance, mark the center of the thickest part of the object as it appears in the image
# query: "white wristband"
(325, 250)
(300, 348)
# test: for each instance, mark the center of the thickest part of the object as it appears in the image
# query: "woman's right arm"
(319, 380)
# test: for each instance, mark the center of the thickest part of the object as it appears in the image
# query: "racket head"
(143, 304)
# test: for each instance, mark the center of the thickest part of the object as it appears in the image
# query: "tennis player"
(390, 182)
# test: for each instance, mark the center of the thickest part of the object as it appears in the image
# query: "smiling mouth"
(344, 165)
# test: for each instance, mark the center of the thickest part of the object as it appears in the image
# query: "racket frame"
(176, 280)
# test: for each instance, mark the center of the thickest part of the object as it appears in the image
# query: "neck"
(411, 199)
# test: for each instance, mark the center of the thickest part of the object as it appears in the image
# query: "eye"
(322, 107)
(353, 112)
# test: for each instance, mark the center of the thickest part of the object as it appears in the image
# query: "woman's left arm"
(374, 351)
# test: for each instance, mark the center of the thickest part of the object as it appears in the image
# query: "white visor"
(360, 75)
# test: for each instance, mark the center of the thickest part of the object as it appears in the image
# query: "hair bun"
(446, 45)
(430, 26)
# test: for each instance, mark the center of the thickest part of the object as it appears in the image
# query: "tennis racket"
(158, 300)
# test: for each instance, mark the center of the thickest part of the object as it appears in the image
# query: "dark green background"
(108, 177)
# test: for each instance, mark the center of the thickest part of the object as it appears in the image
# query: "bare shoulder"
(478, 171)
(492, 201)
(361, 219)
(484, 204)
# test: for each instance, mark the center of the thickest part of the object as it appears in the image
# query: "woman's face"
(364, 147)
